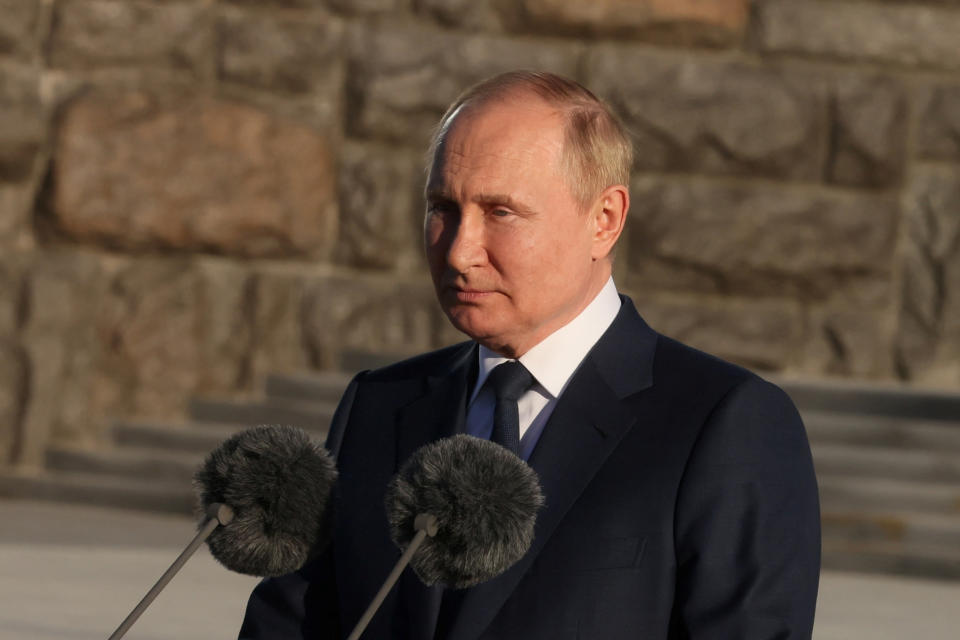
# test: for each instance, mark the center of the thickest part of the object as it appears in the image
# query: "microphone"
(263, 497)
(278, 483)
(464, 510)
(485, 499)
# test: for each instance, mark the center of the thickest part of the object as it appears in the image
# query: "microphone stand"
(425, 525)
(217, 514)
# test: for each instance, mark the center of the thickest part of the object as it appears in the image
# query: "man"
(680, 495)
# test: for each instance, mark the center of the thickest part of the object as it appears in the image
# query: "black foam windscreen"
(485, 498)
(278, 482)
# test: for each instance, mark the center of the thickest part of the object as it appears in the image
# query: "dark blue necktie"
(509, 381)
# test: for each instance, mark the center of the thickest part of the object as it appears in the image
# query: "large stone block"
(281, 52)
(693, 114)
(710, 22)
(761, 334)
(279, 339)
(18, 29)
(928, 336)
(62, 297)
(381, 209)
(148, 326)
(91, 33)
(22, 125)
(369, 314)
(850, 333)
(144, 337)
(170, 329)
(913, 35)
(403, 78)
(225, 333)
(755, 238)
(868, 131)
(938, 128)
(137, 171)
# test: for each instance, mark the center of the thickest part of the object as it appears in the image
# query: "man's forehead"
(512, 108)
(514, 131)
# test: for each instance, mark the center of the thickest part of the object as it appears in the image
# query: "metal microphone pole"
(217, 514)
(426, 525)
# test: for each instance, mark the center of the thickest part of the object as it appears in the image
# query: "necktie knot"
(510, 380)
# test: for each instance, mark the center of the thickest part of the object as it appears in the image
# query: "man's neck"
(553, 360)
(517, 349)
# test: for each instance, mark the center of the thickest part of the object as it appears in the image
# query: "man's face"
(509, 247)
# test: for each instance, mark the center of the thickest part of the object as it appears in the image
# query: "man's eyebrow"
(502, 199)
(442, 195)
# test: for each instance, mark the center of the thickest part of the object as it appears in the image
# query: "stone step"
(909, 528)
(321, 386)
(886, 462)
(872, 398)
(903, 542)
(128, 462)
(899, 432)
(198, 438)
(878, 494)
(105, 491)
(312, 416)
(193, 438)
(891, 558)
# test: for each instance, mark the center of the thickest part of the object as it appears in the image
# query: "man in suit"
(680, 495)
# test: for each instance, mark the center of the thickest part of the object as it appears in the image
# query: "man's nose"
(466, 248)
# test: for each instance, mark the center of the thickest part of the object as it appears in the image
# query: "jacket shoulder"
(673, 356)
(710, 378)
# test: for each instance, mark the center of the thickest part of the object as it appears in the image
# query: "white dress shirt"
(552, 363)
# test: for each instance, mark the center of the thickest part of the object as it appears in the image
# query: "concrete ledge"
(312, 416)
(106, 491)
(872, 398)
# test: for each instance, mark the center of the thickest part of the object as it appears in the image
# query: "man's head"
(526, 197)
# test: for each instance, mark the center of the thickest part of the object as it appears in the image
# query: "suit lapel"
(590, 419)
(441, 410)
(438, 413)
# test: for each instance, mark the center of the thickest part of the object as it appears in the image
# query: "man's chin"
(465, 321)
(491, 337)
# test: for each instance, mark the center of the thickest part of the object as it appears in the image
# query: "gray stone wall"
(194, 193)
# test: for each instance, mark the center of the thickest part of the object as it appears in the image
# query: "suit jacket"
(680, 503)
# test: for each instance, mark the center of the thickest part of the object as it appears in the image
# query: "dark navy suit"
(680, 503)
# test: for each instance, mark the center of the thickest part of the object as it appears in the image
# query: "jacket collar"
(441, 410)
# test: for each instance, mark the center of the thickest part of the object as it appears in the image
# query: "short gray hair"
(597, 152)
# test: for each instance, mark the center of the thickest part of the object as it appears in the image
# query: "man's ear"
(609, 215)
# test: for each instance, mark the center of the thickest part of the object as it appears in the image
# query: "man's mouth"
(468, 294)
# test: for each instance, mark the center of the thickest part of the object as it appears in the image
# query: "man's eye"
(501, 213)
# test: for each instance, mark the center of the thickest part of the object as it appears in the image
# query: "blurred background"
(210, 217)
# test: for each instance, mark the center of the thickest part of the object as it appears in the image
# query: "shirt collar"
(553, 360)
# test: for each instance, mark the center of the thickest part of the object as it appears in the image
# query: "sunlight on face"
(508, 245)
